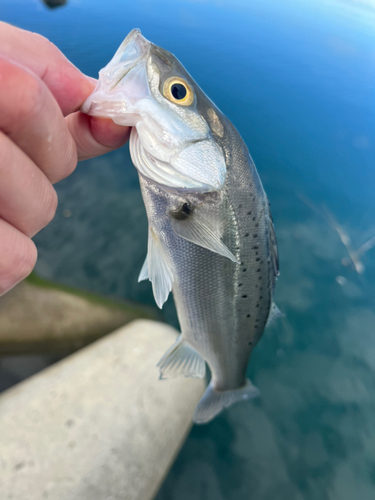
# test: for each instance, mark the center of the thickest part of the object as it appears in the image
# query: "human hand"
(42, 136)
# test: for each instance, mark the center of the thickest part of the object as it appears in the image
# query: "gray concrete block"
(99, 425)
(40, 316)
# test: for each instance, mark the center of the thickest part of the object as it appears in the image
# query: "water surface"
(297, 79)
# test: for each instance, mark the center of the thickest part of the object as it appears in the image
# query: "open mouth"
(122, 82)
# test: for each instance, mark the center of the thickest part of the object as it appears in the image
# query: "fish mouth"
(122, 82)
(163, 147)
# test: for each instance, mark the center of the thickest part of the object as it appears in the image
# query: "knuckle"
(26, 260)
(19, 265)
(5, 153)
(40, 39)
(70, 160)
(49, 206)
(43, 44)
(32, 99)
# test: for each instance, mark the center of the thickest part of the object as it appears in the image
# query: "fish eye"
(178, 91)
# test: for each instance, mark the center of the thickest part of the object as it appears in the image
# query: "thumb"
(95, 136)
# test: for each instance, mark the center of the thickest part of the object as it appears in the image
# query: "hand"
(42, 136)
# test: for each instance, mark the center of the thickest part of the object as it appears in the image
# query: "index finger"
(68, 85)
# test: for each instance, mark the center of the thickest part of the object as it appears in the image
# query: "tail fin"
(213, 402)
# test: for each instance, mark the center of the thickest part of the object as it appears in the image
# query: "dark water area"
(297, 78)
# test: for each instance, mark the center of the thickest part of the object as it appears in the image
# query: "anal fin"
(181, 360)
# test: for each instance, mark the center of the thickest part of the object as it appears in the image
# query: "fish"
(211, 239)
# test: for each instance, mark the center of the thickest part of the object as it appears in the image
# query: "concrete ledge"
(99, 425)
(40, 316)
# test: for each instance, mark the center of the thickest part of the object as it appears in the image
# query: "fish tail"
(213, 402)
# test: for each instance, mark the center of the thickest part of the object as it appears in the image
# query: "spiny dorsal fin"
(181, 360)
(197, 231)
(274, 253)
(159, 271)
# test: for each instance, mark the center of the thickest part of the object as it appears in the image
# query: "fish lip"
(135, 48)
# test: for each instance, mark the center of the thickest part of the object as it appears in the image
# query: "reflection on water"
(297, 79)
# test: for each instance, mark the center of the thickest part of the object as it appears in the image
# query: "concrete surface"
(98, 425)
(38, 316)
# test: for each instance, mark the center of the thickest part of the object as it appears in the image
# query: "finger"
(67, 84)
(95, 136)
(31, 117)
(27, 199)
(17, 256)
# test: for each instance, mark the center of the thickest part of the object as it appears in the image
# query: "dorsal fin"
(274, 253)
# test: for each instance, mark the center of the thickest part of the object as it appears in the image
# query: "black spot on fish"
(257, 305)
(248, 316)
(244, 269)
(256, 225)
(255, 326)
(255, 247)
(261, 297)
(258, 270)
(257, 259)
(246, 235)
(254, 218)
(250, 343)
(244, 296)
(249, 213)
(256, 321)
(255, 235)
(239, 284)
(240, 205)
(260, 277)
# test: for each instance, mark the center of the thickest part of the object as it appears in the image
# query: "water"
(297, 79)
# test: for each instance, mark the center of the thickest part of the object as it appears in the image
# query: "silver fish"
(211, 237)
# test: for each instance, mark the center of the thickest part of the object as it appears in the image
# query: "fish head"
(172, 144)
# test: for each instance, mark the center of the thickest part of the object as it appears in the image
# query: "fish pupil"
(178, 91)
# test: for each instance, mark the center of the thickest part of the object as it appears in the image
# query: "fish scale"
(212, 307)
(211, 239)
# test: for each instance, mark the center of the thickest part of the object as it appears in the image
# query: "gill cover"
(145, 87)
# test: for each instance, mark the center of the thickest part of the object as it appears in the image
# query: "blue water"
(298, 80)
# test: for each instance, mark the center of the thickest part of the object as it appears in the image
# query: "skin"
(42, 137)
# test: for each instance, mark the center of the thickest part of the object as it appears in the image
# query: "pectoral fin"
(181, 360)
(197, 231)
(157, 269)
